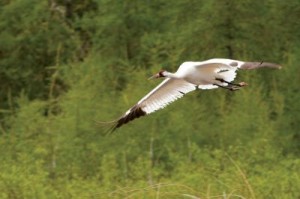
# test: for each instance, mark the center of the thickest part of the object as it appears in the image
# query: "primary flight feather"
(190, 76)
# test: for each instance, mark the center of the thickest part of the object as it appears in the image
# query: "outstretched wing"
(165, 93)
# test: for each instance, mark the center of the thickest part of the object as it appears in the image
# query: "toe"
(243, 84)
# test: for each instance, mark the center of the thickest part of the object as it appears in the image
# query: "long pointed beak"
(154, 76)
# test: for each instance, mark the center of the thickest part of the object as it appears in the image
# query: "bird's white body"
(204, 73)
(190, 76)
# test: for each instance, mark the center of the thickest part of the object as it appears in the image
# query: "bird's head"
(161, 73)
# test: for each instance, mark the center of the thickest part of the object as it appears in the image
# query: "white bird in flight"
(190, 76)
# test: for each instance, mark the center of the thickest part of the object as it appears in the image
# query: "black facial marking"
(161, 73)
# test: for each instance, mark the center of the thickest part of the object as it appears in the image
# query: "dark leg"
(231, 88)
(241, 84)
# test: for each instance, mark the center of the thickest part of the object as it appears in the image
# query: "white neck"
(170, 75)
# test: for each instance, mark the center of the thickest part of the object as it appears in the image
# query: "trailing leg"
(231, 88)
(241, 84)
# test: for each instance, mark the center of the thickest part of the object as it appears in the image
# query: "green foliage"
(66, 64)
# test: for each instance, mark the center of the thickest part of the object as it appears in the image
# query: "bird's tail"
(229, 75)
(226, 73)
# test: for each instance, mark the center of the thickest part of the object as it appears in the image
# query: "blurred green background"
(66, 63)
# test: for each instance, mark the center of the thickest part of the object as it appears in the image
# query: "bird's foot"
(241, 84)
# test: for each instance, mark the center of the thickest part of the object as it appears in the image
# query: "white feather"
(165, 93)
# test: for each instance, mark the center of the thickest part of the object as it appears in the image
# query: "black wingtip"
(107, 127)
(134, 112)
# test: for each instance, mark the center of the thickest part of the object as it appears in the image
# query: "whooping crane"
(190, 76)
